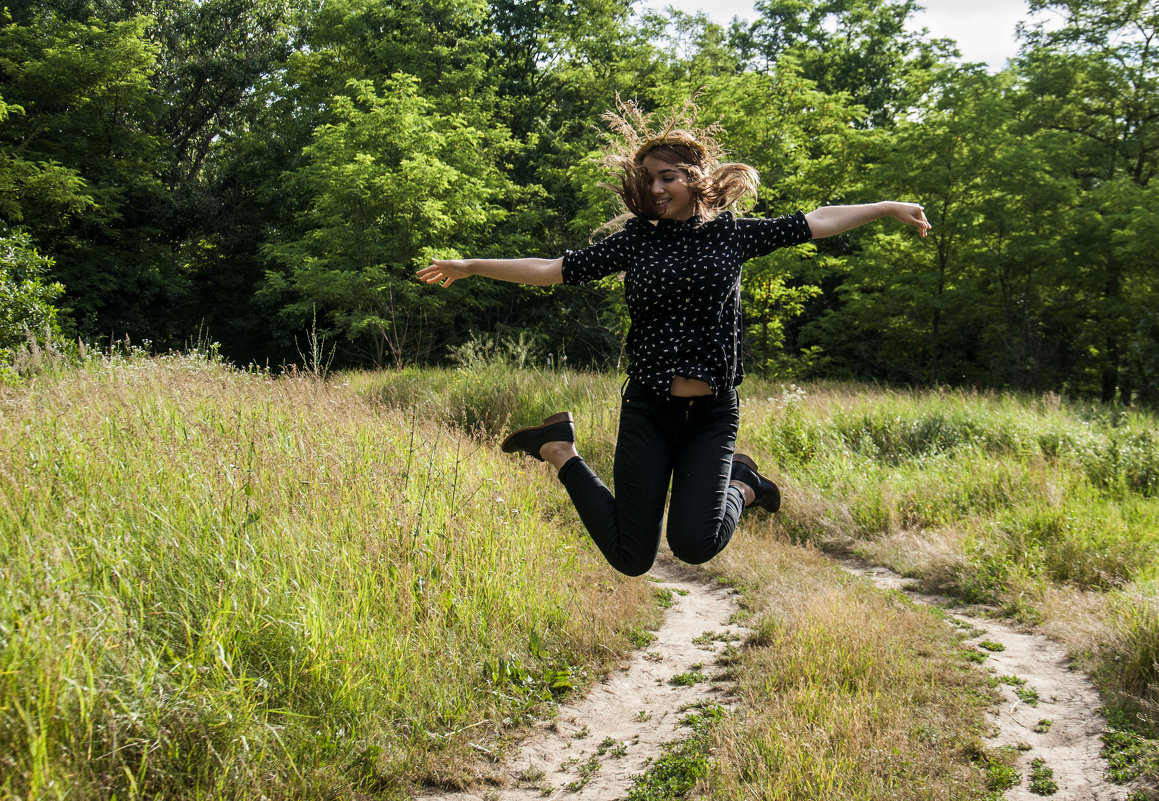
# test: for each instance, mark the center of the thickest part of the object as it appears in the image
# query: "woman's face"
(668, 185)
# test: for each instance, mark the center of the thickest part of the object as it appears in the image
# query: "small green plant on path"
(687, 679)
(1043, 726)
(1029, 695)
(990, 645)
(1001, 777)
(974, 655)
(684, 762)
(1042, 778)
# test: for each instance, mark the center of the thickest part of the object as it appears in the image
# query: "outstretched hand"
(444, 271)
(911, 214)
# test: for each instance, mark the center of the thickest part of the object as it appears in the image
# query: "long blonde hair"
(715, 186)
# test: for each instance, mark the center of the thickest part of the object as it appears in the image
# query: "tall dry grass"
(845, 692)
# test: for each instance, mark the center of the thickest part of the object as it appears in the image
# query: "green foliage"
(684, 762)
(688, 679)
(1029, 695)
(1000, 776)
(390, 183)
(1042, 778)
(26, 301)
(1129, 754)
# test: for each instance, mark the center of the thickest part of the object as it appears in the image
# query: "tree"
(388, 184)
(1093, 81)
(860, 48)
(26, 301)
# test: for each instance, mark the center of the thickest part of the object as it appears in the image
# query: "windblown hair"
(675, 139)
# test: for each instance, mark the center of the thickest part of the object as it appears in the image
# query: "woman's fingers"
(915, 215)
(434, 273)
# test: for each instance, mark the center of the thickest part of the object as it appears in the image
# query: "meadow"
(226, 584)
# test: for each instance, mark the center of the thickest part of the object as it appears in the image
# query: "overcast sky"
(983, 29)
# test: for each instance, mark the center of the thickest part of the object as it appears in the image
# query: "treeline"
(269, 173)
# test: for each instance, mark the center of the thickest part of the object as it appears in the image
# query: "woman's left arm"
(830, 220)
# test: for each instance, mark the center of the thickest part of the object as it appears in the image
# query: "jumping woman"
(680, 251)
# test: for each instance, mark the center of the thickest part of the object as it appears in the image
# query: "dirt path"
(597, 743)
(1070, 744)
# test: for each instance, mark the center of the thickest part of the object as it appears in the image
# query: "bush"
(25, 299)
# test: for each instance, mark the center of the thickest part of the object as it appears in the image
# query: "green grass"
(230, 585)
(227, 585)
(1031, 504)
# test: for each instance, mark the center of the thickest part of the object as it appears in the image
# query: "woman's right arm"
(537, 272)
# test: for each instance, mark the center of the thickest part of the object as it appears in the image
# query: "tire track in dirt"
(596, 744)
(1071, 743)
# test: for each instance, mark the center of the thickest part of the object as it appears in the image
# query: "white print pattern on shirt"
(682, 284)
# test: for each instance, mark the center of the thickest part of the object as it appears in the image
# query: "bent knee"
(635, 568)
(694, 553)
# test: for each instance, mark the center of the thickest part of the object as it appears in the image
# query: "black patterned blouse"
(682, 282)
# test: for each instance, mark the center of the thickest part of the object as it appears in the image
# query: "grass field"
(229, 585)
(1048, 510)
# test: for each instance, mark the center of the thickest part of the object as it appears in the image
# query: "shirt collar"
(679, 226)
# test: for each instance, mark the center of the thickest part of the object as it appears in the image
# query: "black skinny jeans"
(688, 441)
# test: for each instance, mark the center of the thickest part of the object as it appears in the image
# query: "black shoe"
(744, 470)
(557, 428)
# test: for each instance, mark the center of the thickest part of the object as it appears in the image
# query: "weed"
(683, 763)
(973, 655)
(1029, 695)
(705, 640)
(612, 748)
(687, 679)
(1043, 726)
(1001, 777)
(1013, 681)
(664, 598)
(1129, 754)
(1042, 778)
(640, 637)
(582, 733)
(990, 645)
(531, 775)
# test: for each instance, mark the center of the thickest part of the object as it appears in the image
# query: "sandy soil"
(599, 742)
(1071, 744)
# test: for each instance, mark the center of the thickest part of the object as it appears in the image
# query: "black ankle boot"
(744, 470)
(557, 428)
